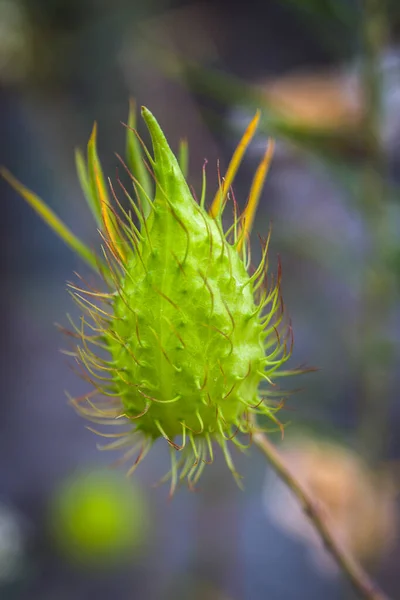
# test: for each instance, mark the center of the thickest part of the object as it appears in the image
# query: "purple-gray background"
(64, 64)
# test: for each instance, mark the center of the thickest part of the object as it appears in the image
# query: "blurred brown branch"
(359, 579)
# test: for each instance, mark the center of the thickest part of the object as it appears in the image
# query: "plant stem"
(359, 579)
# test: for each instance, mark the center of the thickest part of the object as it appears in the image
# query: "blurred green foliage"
(98, 518)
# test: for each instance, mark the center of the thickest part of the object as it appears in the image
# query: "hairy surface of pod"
(193, 344)
(182, 341)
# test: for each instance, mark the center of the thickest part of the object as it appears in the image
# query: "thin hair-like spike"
(135, 159)
(144, 147)
(129, 228)
(210, 448)
(171, 401)
(99, 193)
(255, 193)
(144, 451)
(229, 462)
(204, 186)
(194, 447)
(111, 225)
(84, 180)
(118, 444)
(87, 302)
(125, 457)
(164, 352)
(200, 421)
(52, 220)
(199, 472)
(260, 271)
(137, 211)
(218, 204)
(102, 295)
(174, 472)
(195, 467)
(106, 435)
(183, 159)
(165, 436)
(187, 465)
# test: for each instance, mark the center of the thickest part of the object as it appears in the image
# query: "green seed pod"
(184, 339)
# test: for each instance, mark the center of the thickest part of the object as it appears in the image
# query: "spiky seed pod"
(184, 337)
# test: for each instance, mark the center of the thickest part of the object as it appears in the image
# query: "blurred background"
(326, 74)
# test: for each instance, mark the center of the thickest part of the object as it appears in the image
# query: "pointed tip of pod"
(149, 118)
(157, 135)
(171, 182)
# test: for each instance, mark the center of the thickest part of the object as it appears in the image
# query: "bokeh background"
(326, 74)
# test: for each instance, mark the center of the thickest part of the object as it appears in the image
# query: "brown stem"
(359, 579)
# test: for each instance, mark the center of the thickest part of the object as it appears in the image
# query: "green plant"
(190, 335)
